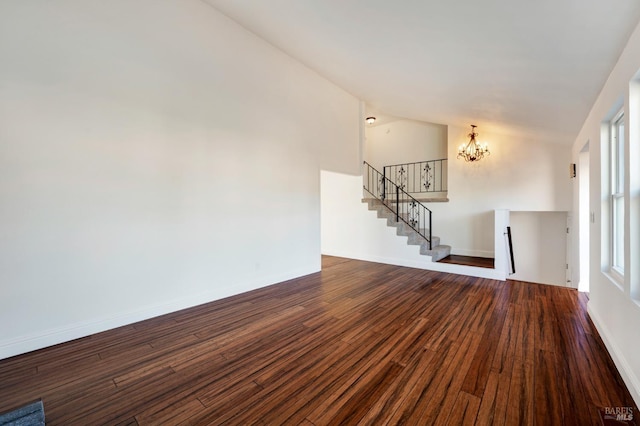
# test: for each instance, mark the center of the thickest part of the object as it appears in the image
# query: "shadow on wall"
(482, 225)
(404, 141)
(540, 247)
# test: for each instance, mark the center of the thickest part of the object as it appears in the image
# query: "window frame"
(617, 196)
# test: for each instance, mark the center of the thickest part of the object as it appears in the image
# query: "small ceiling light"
(473, 151)
(370, 120)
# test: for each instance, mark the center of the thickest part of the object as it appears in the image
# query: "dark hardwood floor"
(358, 343)
(481, 262)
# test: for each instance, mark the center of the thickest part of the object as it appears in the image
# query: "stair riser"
(419, 241)
(438, 253)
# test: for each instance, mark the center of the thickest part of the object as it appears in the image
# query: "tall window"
(617, 194)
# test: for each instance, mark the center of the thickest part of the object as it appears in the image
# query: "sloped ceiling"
(530, 69)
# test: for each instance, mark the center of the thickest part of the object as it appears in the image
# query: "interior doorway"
(584, 216)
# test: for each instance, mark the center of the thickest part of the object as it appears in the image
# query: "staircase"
(437, 251)
(410, 217)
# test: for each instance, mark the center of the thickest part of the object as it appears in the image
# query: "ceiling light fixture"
(370, 120)
(473, 151)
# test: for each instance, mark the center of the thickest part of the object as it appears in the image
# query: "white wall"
(350, 229)
(404, 141)
(153, 156)
(540, 247)
(583, 222)
(613, 310)
(518, 175)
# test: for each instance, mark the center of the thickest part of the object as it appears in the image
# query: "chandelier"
(473, 151)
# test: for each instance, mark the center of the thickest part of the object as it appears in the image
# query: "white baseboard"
(54, 336)
(625, 370)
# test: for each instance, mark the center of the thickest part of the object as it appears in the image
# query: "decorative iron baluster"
(427, 176)
(381, 189)
(401, 178)
(413, 214)
(422, 176)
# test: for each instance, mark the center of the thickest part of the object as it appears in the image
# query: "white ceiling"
(529, 68)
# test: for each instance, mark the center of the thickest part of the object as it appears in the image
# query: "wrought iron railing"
(513, 262)
(404, 206)
(423, 176)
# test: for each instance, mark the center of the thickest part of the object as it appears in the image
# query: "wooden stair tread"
(480, 262)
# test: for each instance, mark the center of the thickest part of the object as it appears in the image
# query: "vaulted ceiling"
(526, 68)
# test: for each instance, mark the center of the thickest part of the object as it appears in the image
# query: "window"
(617, 194)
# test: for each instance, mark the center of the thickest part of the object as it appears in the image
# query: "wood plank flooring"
(358, 343)
(480, 262)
